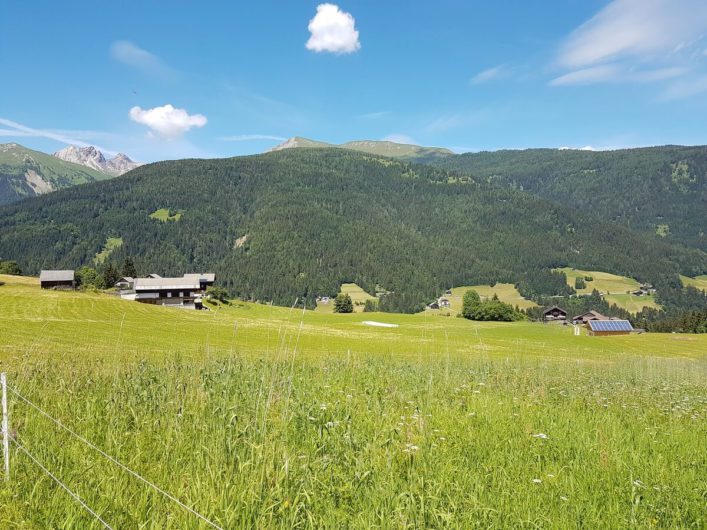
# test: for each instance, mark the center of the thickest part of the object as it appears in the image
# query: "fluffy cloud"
(332, 30)
(167, 121)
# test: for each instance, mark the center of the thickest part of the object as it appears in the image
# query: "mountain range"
(91, 157)
(296, 223)
(26, 173)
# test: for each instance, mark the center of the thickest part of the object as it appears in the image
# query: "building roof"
(56, 276)
(152, 284)
(591, 314)
(553, 308)
(204, 277)
(610, 325)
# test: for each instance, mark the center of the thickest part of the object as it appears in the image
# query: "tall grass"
(365, 442)
(273, 418)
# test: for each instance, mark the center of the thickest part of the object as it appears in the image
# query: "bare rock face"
(91, 157)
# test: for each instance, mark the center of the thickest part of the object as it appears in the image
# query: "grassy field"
(112, 243)
(164, 215)
(268, 417)
(700, 282)
(506, 292)
(614, 288)
(357, 294)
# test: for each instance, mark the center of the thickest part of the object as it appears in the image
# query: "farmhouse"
(185, 292)
(126, 282)
(599, 328)
(589, 315)
(57, 280)
(554, 313)
(444, 303)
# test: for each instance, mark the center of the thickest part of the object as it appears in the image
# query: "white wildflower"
(537, 481)
(541, 435)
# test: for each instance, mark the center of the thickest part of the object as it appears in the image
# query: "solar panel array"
(610, 325)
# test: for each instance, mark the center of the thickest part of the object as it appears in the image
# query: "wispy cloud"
(491, 74)
(65, 137)
(613, 73)
(131, 54)
(399, 139)
(251, 137)
(635, 28)
(635, 41)
(685, 88)
(374, 115)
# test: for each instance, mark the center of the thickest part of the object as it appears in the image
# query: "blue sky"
(172, 80)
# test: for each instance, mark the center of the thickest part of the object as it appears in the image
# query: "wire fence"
(102, 453)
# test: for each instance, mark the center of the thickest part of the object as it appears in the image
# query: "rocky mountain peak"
(91, 157)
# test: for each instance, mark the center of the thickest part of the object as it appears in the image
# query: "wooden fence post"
(5, 433)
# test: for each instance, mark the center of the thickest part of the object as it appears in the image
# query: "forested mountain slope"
(656, 190)
(26, 173)
(298, 222)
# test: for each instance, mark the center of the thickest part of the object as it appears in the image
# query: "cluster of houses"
(596, 323)
(186, 292)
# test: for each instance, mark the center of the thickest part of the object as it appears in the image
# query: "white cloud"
(374, 115)
(65, 137)
(635, 29)
(251, 137)
(129, 53)
(167, 121)
(685, 88)
(637, 41)
(490, 74)
(613, 73)
(594, 74)
(332, 30)
(399, 139)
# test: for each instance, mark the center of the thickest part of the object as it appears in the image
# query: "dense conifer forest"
(660, 191)
(297, 223)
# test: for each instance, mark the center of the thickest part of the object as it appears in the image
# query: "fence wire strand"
(55, 479)
(112, 459)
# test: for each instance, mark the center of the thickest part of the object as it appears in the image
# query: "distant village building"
(444, 303)
(57, 279)
(433, 305)
(554, 313)
(185, 292)
(589, 315)
(126, 282)
(599, 328)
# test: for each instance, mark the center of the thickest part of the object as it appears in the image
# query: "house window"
(169, 295)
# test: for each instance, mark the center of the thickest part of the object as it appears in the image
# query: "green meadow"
(266, 417)
(616, 289)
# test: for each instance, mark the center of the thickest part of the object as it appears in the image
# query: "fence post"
(5, 433)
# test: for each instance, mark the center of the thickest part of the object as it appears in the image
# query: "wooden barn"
(57, 280)
(601, 328)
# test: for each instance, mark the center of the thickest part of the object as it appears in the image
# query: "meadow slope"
(261, 416)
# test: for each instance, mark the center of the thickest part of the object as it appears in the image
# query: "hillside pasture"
(699, 282)
(357, 294)
(506, 292)
(267, 417)
(616, 289)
